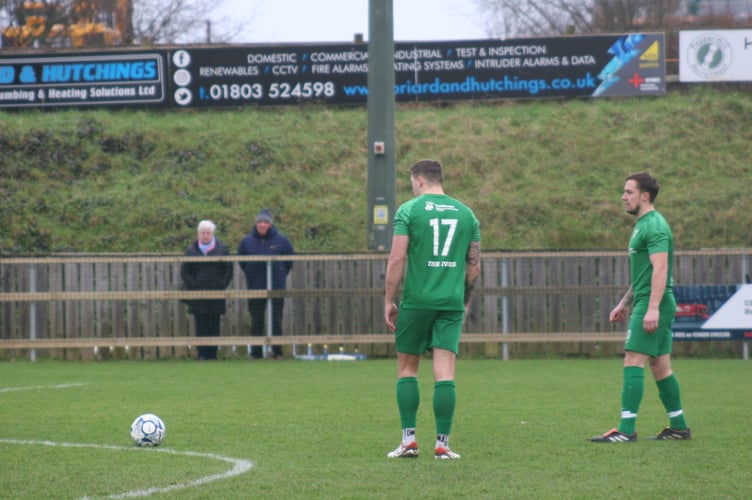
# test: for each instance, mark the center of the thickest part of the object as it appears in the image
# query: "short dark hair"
(646, 184)
(430, 170)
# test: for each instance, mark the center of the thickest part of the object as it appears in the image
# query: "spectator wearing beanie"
(265, 239)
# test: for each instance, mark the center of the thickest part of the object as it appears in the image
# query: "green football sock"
(444, 401)
(668, 391)
(408, 400)
(631, 397)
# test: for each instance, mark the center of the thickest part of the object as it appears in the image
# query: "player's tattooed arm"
(628, 297)
(619, 313)
(473, 269)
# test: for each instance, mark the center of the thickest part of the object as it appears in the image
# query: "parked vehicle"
(690, 316)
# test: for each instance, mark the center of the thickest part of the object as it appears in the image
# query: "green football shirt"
(440, 230)
(651, 234)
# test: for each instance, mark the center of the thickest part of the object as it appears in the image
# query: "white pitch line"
(37, 387)
(239, 465)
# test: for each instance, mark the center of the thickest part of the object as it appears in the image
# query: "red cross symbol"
(636, 80)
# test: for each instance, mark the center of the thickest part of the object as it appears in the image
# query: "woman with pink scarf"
(209, 275)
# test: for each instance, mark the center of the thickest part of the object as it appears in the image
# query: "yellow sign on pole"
(381, 214)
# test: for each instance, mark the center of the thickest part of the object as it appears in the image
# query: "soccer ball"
(148, 430)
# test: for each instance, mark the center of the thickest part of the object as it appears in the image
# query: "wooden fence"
(85, 306)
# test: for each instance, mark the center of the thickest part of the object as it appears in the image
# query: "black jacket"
(210, 275)
(273, 243)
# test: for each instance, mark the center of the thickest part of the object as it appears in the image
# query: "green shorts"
(656, 343)
(418, 331)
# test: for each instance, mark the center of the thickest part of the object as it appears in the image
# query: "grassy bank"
(538, 174)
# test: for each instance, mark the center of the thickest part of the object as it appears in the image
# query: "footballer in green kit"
(651, 235)
(436, 249)
(649, 335)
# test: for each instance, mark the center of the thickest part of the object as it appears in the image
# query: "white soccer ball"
(148, 430)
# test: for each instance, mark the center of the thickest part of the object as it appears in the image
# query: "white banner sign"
(736, 313)
(715, 56)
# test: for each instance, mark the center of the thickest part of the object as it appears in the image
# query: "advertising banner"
(579, 66)
(66, 80)
(230, 76)
(732, 321)
(715, 56)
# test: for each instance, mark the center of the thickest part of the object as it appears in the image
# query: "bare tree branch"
(521, 18)
(183, 21)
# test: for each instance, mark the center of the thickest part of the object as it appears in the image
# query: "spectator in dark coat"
(265, 239)
(210, 275)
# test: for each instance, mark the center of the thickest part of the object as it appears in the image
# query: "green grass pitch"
(297, 429)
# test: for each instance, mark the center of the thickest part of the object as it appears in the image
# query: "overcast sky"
(339, 20)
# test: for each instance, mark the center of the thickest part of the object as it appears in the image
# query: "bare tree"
(183, 21)
(617, 15)
(657, 12)
(8, 10)
(135, 21)
(520, 18)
